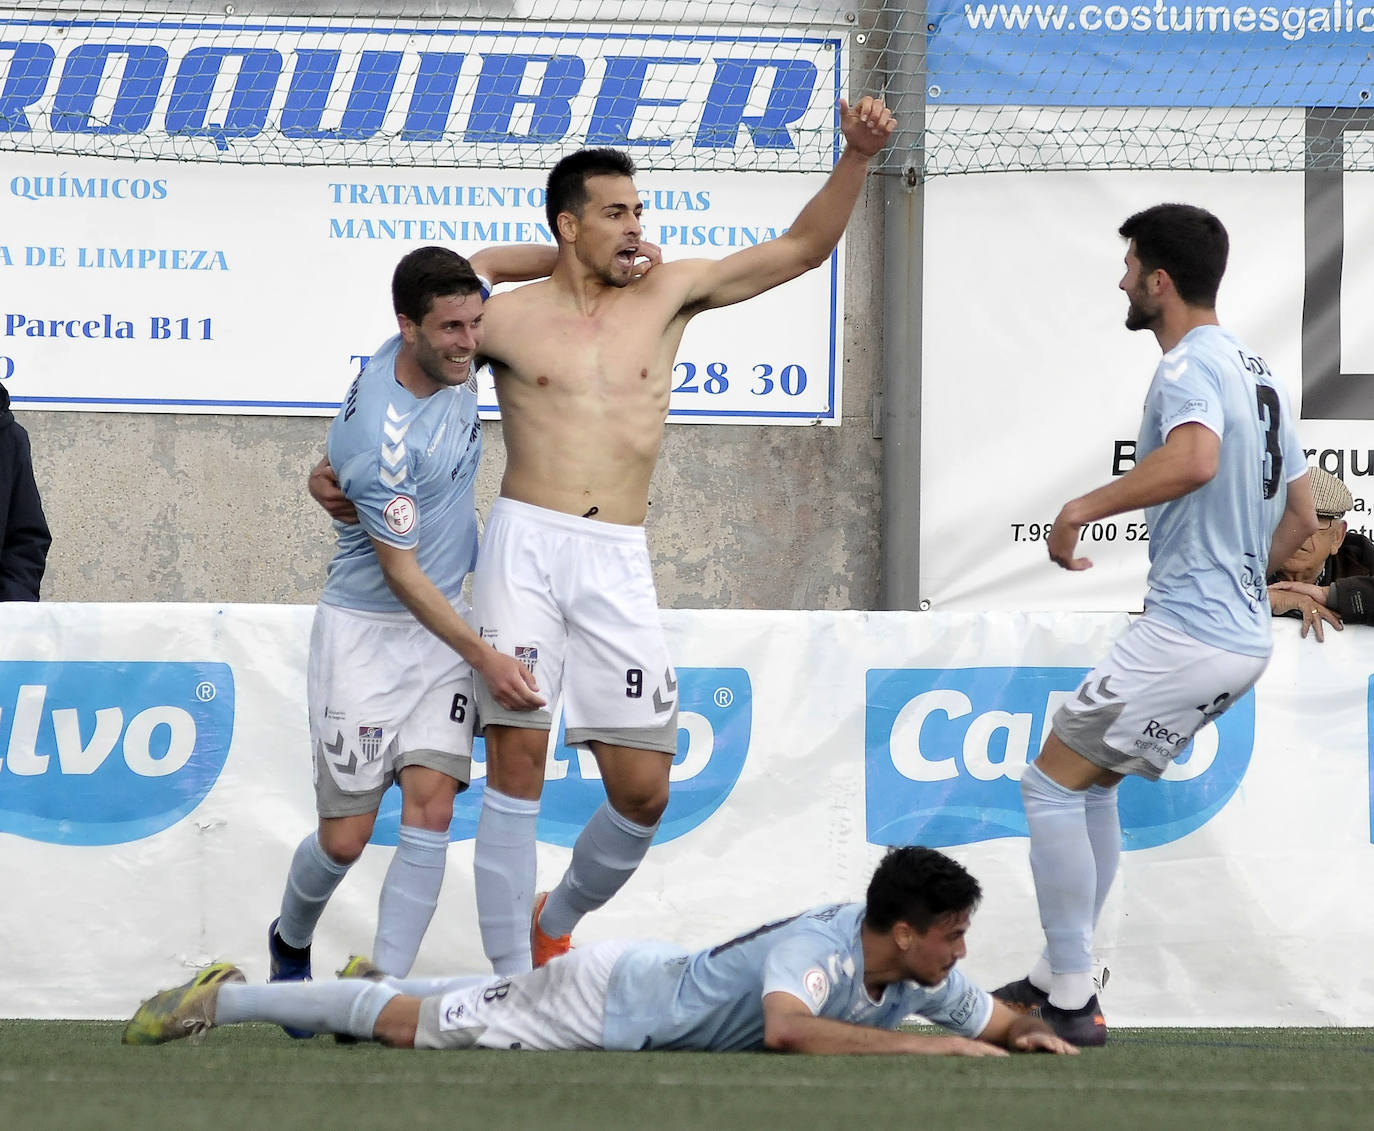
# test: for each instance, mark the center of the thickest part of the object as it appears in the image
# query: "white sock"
(1104, 833)
(607, 852)
(1069, 988)
(349, 1005)
(1065, 874)
(310, 882)
(410, 893)
(504, 860)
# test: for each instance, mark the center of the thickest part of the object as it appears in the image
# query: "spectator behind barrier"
(1330, 579)
(24, 536)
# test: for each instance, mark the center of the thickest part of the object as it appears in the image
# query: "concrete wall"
(154, 507)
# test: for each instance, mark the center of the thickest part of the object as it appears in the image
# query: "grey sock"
(409, 896)
(348, 1005)
(607, 852)
(504, 865)
(309, 884)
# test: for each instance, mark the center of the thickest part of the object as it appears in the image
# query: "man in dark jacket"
(24, 537)
(1330, 579)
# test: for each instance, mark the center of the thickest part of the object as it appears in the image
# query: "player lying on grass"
(838, 979)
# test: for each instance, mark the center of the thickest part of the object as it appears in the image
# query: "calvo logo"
(944, 750)
(103, 753)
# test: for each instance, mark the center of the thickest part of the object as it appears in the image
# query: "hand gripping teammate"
(583, 365)
(1223, 481)
(838, 980)
(390, 678)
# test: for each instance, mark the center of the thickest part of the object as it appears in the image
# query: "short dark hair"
(427, 273)
(919, 886)
(567, 187)
(1187, 242)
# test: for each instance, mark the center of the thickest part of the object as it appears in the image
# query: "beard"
(433, 365)
(1139, 317)
(611, 278)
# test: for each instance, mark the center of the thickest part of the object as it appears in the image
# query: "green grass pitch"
(73, 1074)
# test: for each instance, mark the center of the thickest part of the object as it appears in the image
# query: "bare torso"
(583, 389)
(584, 359)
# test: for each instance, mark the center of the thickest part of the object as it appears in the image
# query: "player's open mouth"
(626, 258)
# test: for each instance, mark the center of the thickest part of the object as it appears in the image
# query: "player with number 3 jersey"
(1223, 482)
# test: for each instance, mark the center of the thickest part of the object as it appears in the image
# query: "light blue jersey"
(408, 465)
(661, 997)
(1209, 549)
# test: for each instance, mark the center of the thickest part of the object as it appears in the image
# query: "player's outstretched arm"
(789, 1026)
(514, 262)
(1018, 1032)
(510, 682)
(867, 126)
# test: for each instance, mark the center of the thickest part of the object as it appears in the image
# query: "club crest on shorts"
(400, 514)
(528, 655)
(369, 743)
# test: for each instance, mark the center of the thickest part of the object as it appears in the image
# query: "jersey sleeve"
(385, 500)
(1187, 391)
(802, 966)
(957, 1004)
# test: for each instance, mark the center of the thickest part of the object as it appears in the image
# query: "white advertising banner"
(251, 275)
(257, 289)
(1032, 386)
(155, 780)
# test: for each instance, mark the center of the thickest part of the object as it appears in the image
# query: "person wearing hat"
(1330, 578)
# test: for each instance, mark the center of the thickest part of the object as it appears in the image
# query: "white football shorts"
(384, 693)
(1136, 711)
(573, 600)
(558, 1006)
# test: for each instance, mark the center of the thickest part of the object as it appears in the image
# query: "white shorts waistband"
(514, 511)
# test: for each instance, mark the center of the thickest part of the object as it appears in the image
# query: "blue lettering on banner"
(726, 90)
(1159, 53)
(715, 719)
(104, 753)
(73, 107)
(944, 750)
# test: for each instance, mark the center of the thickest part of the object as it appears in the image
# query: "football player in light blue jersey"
(391, 656)
(1209, 548)
(1223, 482)
(834, 980)
(408, 464)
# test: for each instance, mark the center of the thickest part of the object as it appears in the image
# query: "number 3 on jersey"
(1268, 399)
